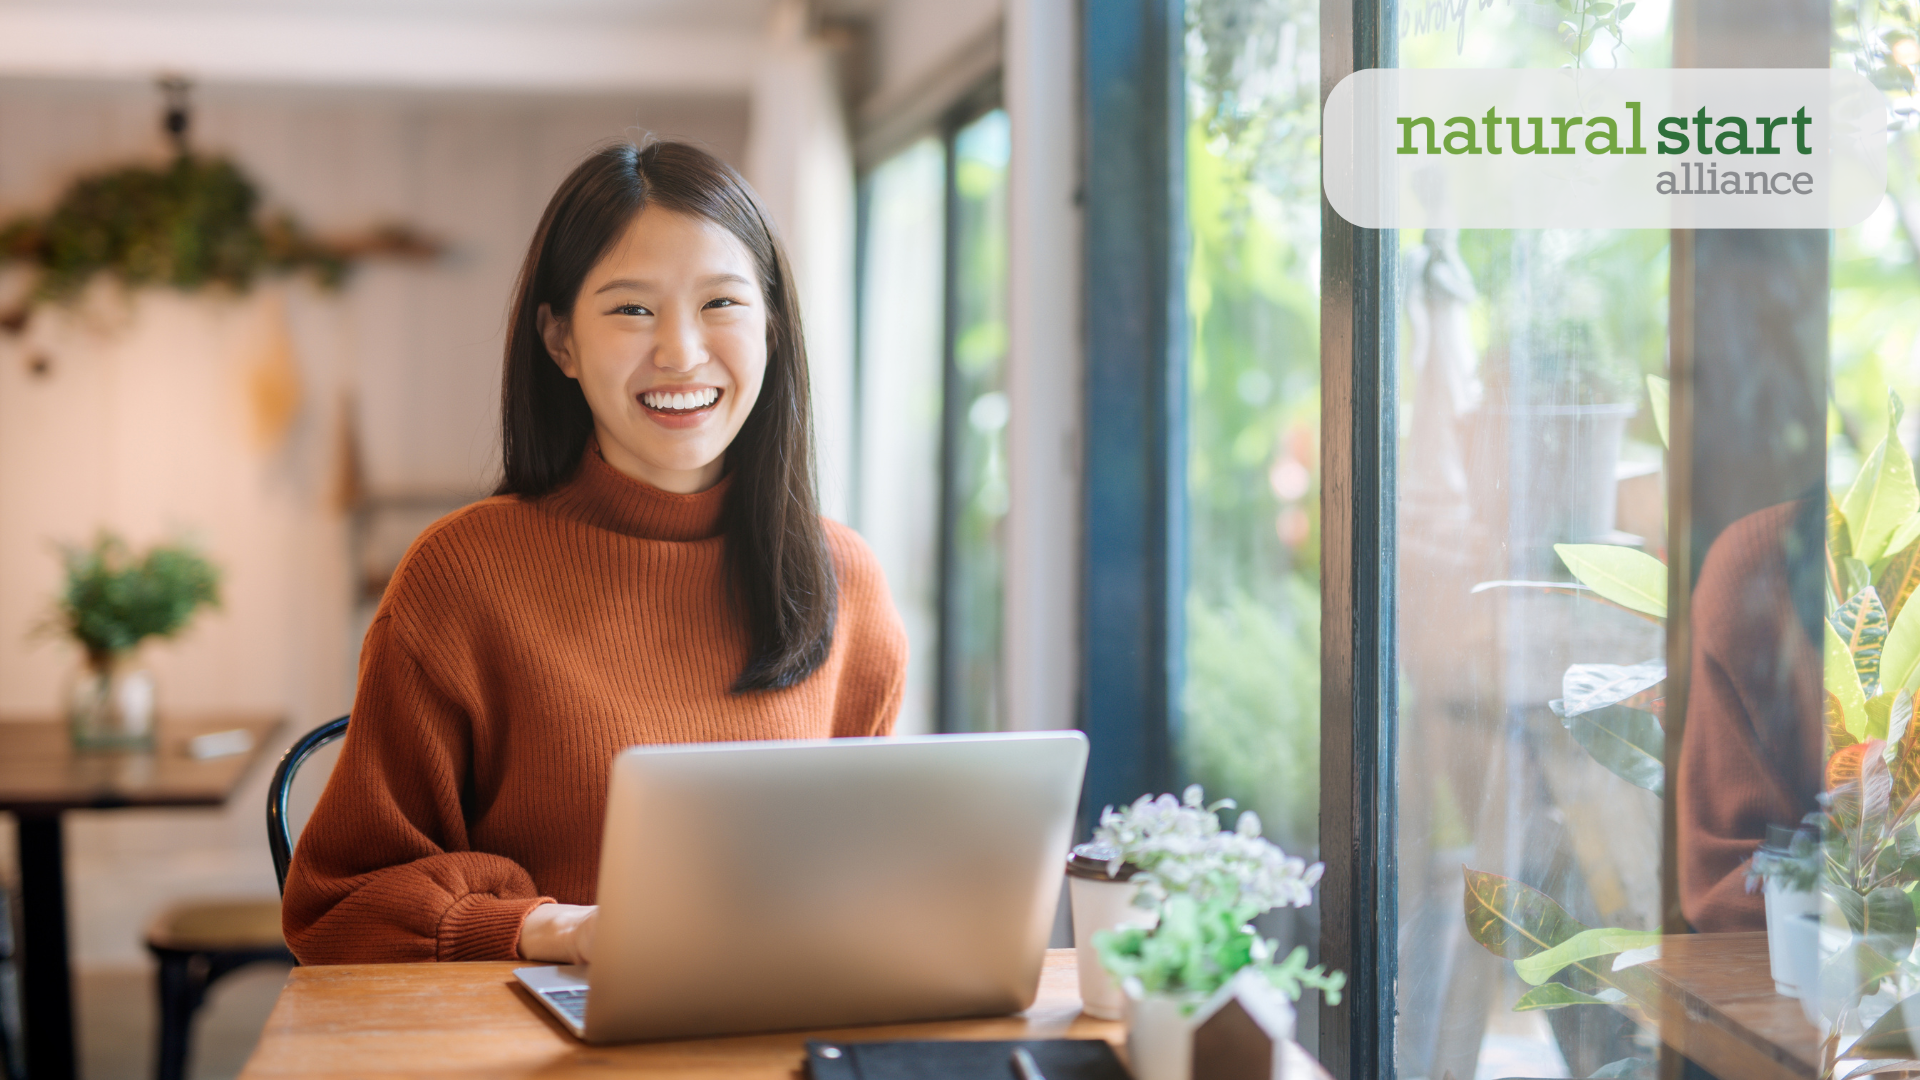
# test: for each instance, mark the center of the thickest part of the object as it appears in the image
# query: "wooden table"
(474, 1020)
(42, 777)
(1717, 1006)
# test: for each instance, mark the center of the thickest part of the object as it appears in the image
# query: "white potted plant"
(1204, 886)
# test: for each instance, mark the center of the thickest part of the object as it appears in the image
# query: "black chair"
(197, 942)
(279, 830)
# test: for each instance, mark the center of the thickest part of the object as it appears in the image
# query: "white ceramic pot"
(1101, 904)
(1793, 948)
(1160, 1037)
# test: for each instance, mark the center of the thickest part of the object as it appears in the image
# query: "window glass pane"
(901, 325)
(1525, 424)
(1251, 698)
(1250, 701)
(976, 422)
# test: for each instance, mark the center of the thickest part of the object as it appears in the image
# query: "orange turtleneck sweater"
(519, 647)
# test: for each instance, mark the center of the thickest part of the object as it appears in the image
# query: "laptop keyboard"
(571, 1003)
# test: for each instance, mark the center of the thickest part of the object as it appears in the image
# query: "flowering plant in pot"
(1204, 885)
(112, 601)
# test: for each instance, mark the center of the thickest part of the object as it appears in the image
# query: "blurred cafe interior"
(1536, 582)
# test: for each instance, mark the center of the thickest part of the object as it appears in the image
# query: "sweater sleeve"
(383, 872)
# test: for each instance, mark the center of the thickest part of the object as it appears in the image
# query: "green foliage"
(1586, 19)
(1883, 497)
(1198, 946)
(1627, 576)
(112, 600)
(1586, 945)
(1861, 624)
(1660, 397)
(1893, 1036)
(1516, 921)
(1629, 742)
(190, 224)
(1252, 699)
(1251, 696)
(1559, 995)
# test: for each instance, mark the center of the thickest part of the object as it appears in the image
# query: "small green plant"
(1206, 885)
(113, 600)
(1585, 19)
(1199, 945)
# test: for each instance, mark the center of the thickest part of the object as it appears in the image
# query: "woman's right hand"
(560, 933)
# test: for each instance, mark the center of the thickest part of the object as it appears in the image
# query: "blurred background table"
(42, 777)
(456, 1020)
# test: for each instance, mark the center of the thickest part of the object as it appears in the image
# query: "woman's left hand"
(561, 933)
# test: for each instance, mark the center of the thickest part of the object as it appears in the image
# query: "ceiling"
(653, 45)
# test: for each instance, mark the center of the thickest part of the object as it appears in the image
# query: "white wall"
(1044, 366)
(915, 39)
(146, 420)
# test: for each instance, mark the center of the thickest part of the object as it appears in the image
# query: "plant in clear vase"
(1204, 886)
(110, 602)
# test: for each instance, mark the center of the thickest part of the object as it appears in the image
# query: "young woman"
(652, 569)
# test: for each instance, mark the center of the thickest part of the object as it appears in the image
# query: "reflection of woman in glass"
(1751, 752)
(651, 570)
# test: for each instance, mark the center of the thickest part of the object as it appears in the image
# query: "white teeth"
(680, 402)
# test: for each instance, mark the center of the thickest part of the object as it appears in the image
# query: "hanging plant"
(191, 224)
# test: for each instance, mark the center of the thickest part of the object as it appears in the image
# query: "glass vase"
(110, 704)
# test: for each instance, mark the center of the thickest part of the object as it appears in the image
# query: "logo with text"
(1798, 148)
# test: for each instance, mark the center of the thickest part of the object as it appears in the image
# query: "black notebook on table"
(961, 1059)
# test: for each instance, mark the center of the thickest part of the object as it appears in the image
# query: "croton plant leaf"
(1586, 945)
(1861, 789)
(1883, 496)
(1897, 576)
(1843, 681)
(1627, 576)
(1854, 971)
(1630, 743)
(1512, 919)
(1887, 923)
(1839, 538)
(1559, 995)
(1862, 625)
(1894, 1035)
(1900, 655)
(1586, 687)
(1838, 737)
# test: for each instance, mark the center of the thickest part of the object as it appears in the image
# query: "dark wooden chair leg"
(182, 986)
(184, 980)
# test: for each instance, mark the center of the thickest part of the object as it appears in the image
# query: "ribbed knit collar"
(604, 497)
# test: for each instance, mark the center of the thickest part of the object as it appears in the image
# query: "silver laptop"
(780, 885)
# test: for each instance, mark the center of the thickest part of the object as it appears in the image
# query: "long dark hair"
(776, 550)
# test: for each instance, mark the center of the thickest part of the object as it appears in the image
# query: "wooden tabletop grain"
(474, 1020)
(41, 772)
(1719, 1008)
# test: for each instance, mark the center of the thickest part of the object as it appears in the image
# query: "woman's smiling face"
(668, 340)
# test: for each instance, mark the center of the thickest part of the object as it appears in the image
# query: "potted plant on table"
(1204, 886)
(111, 602)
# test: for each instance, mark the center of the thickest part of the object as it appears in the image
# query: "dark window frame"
(1134, 527)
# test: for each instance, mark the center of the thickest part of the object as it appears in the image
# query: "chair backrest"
(286, 815)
